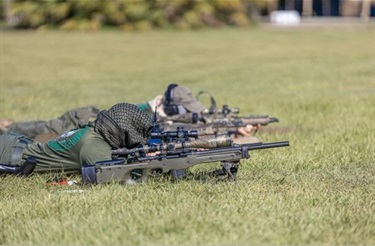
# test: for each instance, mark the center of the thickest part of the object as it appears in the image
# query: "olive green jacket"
(69, 151)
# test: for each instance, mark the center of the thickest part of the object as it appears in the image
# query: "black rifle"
(123, 166)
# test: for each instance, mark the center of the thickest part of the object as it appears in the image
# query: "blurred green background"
(129, 15)
(319, 80)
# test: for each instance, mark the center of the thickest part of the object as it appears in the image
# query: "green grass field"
(320, 83)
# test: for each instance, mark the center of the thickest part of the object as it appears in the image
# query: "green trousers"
(68, 121)
(11, 148)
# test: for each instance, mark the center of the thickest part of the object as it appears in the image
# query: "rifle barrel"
(269, 145)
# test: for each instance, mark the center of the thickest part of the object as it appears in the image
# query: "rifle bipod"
(228, 169)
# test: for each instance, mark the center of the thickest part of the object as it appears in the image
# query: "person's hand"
(153, 153)
(201, 149)
(248, 130)
(252, 129)
(4, 123)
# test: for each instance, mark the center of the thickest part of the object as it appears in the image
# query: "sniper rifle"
(125, 164)
(215, 126)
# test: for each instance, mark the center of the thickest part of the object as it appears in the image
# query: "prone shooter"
(174, 151)
(121, 142)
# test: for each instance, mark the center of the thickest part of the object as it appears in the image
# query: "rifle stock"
(122, 170)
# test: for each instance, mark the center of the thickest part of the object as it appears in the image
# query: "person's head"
(179, 100)
(124, 125)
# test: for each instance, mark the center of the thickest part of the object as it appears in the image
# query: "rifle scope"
(226, 110)
(179, 134)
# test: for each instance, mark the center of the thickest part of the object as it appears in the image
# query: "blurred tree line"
(129, 15)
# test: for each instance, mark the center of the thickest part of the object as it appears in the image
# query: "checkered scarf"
(124, 125)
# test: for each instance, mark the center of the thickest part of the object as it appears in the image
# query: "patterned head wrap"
(124, 125)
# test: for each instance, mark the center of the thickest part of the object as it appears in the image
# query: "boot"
(24, 170)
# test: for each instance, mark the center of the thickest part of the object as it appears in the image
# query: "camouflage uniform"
(70, 120)
(81, 116)
(123, 125)
(179, 97)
